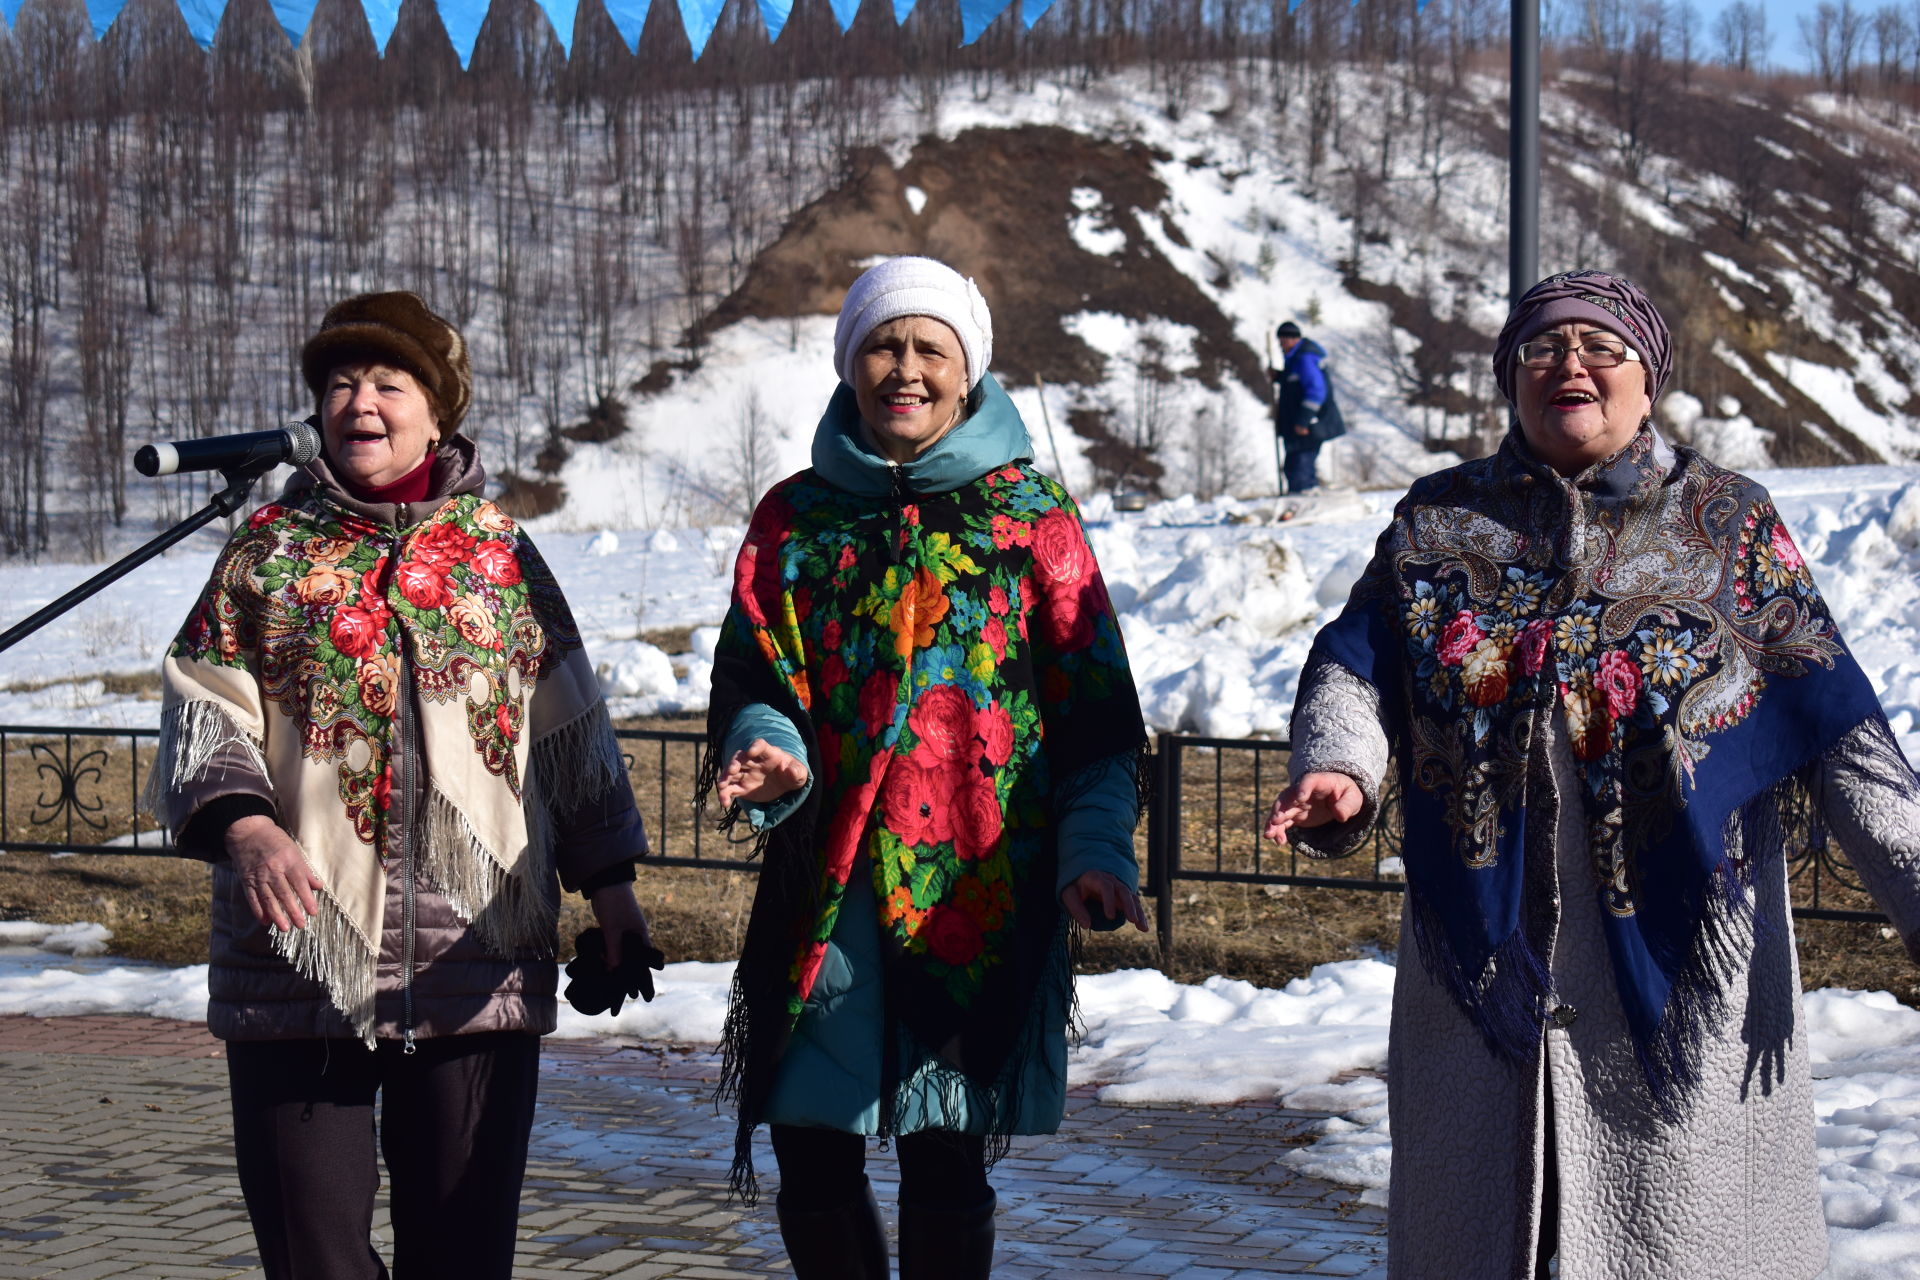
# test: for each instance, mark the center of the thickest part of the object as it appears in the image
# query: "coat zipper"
(402, 777)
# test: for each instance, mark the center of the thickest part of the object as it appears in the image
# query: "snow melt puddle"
(1152, 1040)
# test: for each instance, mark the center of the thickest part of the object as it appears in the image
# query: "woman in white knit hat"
(922, 707)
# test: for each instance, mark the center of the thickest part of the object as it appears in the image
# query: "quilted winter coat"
(1498, 1163)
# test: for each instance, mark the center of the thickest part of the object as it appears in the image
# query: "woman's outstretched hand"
(759, 774)
(1314, 801)
(1112, 896)
(274, 873)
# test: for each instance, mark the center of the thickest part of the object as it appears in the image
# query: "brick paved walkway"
(116, 1162)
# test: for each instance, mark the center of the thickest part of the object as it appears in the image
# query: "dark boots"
(846, 1243)
(946, 1244)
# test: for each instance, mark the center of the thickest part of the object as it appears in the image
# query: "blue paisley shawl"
(1661, 601)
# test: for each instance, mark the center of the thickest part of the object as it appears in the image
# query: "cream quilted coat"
(1729, 1193)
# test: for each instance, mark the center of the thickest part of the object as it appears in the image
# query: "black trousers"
(453, 1125)
(822, 1169)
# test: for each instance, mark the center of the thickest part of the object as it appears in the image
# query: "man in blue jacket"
(1305, 415)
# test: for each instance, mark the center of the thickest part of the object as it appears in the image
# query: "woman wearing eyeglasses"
(1618, 704)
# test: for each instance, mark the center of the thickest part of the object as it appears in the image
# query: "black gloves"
(592, 988)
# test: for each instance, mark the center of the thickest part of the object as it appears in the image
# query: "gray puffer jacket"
(457, 986)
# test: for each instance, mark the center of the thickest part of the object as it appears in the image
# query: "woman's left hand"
(760, 774)
(1106, 889)
(618, 913)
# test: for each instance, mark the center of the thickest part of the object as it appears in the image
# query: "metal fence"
(65, 789)
(77, 790)
(1211, 797)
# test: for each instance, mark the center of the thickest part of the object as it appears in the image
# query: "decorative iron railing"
(1210, 803)
(66, 789)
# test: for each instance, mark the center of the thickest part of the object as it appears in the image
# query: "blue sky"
(1783, 24)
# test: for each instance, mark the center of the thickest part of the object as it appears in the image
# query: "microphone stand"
(240, 482)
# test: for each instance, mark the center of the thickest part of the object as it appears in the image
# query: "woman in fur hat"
(922, 705)
(381, 730)
(1618, 703)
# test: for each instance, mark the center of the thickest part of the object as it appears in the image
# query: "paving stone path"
(115, 1161)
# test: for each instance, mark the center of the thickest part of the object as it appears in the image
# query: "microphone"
(297, 443)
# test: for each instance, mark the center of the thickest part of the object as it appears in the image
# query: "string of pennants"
(463, 18)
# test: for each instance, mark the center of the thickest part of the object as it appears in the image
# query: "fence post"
(1163, 839)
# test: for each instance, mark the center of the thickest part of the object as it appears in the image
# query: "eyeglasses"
(1595, 353)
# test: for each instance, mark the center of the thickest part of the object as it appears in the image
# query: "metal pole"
(1166, 806)
(1523, 152)
(223, 503)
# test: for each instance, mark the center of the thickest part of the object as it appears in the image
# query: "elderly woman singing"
(1615, 698)
(381, 729)
(920, 697)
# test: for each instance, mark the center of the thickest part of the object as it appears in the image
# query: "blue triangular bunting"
(381, 17)
(462, 19)
(294, 16)
(629, 19)
(561, 14)
(700, 17)
(203, 19)
(102, 13)
(977, 15)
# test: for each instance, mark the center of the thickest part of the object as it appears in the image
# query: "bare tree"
(751, 459)
(1741, 31)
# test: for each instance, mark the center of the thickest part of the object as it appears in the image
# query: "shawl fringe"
(193, 734)
(505, 907)
(578, 762)
(333, 952)
(788, 876)
(961, 1097)
(1756, 837)
(567, 768)
(1506, 1001)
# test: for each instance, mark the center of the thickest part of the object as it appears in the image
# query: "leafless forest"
(173, 221)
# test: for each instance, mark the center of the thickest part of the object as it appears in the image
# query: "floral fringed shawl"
(952, 661)
(317, 643)
(1659, 601)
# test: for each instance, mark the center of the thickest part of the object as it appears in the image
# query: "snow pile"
(1866, 1056)
(1903, 521)
(84, 939)
(689, 1007)
(1151, 1039)
(1196, 633)
(32, 985)
(633, 668)
(1728, 436)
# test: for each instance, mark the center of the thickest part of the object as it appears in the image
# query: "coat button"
(1563, 1015)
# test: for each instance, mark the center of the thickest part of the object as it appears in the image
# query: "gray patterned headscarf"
(1613, 303)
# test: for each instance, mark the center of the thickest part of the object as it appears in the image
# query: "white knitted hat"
(914, 287)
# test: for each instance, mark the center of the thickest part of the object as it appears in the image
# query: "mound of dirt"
(998, 204)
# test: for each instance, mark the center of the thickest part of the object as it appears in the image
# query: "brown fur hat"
(395, 326)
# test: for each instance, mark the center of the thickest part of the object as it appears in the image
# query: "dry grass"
(1267, 934)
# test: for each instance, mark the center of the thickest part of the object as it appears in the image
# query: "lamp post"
(1523, 152)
